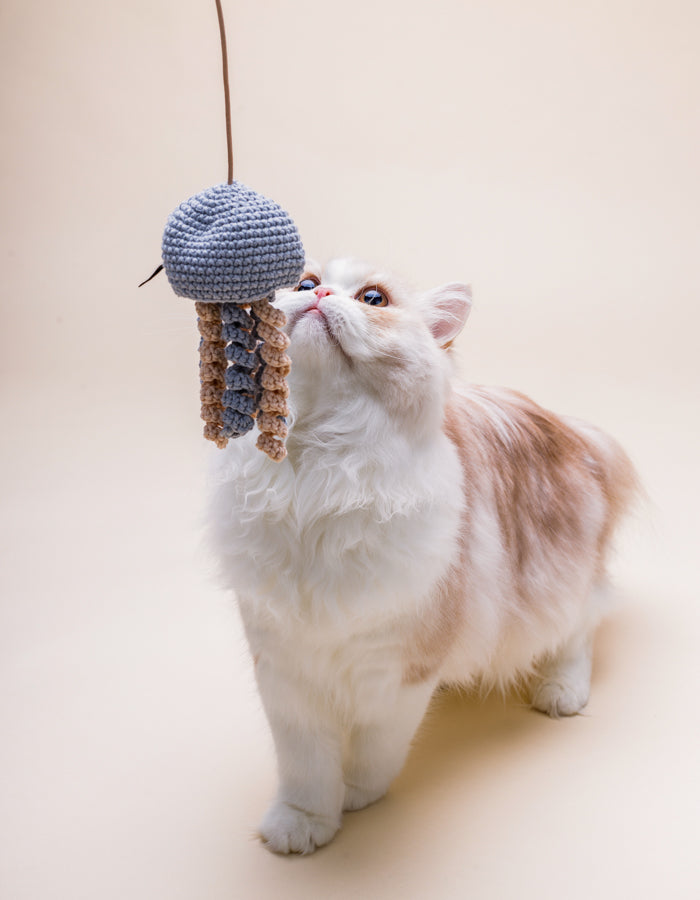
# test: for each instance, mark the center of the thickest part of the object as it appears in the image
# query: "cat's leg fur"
(376, 750)
(307, 811)
(563, 681)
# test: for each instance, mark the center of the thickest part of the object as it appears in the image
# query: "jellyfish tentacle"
(271, 446)
(234, 314)
(243, 367)
(239, 379)
(275, 365)
(278, 359)
(272, 336)
(239, 400)
(266, 312)
(212, 369)
(273, 380)
(274, 402)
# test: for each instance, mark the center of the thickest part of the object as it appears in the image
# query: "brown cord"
(211, 370)
(227, 95)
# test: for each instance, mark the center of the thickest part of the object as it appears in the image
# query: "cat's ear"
(446, 309)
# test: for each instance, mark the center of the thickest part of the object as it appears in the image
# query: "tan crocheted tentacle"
(278, 359)
(268, 313)
(272, 336)
(273, 380)
(276, 365)
(274, 402)
(274, 448)
(211, 370)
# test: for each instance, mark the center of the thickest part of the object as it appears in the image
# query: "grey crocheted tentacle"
(239, 401)
(238, 379)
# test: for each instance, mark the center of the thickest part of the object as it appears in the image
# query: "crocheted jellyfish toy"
(229, 249)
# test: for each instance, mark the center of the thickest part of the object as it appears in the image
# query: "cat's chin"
(313, 340)
(312, 318)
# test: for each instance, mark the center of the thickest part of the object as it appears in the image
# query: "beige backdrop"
(545, 151)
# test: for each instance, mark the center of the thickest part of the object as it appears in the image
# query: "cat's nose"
(322, 292)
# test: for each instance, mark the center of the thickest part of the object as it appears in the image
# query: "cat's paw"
(560, 698)
(358, 798)
(287, 829)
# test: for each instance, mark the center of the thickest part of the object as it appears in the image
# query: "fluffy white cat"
(420, 531)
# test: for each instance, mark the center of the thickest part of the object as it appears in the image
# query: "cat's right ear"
(446, 310)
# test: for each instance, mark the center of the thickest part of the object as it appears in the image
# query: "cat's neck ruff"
(350, 477)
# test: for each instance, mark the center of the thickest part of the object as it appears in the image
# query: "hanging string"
(227, 107)
(227, 95)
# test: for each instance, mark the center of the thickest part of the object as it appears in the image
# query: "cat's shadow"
(462, 745)
(466, 746)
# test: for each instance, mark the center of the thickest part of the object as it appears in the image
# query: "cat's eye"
(308, 283)
(373, 297)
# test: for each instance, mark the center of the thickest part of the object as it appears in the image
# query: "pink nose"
(322, 292)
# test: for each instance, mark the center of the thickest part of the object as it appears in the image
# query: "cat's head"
(359, 333)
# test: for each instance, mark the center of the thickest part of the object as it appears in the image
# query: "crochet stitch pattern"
(229, 248)
(229, 244)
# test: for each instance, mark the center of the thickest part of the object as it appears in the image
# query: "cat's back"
(552, 481)
(542, 496)
(520, 441)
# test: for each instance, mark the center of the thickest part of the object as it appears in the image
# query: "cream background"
(547, 152)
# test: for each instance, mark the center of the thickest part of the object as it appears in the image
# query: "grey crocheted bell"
(229, 244)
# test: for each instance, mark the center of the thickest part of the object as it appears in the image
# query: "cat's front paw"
(287, 829)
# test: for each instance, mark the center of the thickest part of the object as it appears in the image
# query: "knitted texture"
(229, 249)
(274, 363)
(212, 368)
(229, 244)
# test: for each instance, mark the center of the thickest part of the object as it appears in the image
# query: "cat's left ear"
(446, 310)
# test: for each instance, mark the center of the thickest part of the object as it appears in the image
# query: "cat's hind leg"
(563, 680)
(377, 749)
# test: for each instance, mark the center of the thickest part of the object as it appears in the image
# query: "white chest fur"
(336, 540)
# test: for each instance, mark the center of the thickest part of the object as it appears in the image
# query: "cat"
(420, 532)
